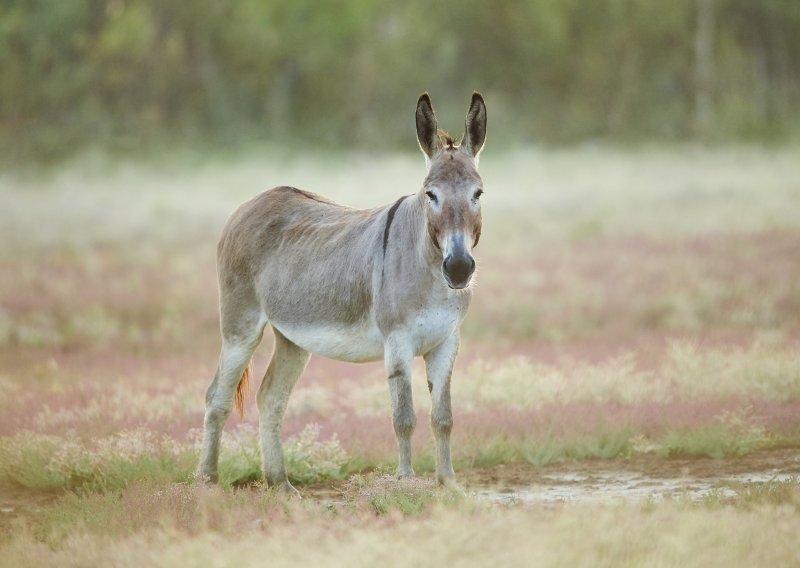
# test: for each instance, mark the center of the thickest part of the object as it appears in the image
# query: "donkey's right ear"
(426, 127)
(475, 127)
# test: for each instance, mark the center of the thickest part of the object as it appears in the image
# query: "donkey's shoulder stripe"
(389, 219)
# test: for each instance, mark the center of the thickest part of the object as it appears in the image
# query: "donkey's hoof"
(405, 473)
(286, 489)
(204, 478)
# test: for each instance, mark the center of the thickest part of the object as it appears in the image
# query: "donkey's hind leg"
(287, 364)
(239, 341)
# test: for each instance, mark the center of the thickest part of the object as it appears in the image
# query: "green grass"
(749, 495)
(50, 463)
(763, 370)
(47, 463)
(730, 437)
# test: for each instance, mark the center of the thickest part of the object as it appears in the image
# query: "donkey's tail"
(242, 389)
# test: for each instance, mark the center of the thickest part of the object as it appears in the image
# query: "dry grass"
(629, 303)
(189, 526)
(687, 372)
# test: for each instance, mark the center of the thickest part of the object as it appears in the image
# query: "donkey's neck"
(415, 231)
(411, 291)
(410, 258)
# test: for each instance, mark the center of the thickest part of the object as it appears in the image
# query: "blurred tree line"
(128, 73)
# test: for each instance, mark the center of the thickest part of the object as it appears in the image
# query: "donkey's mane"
(446, 140)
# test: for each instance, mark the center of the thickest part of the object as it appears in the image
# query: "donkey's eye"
(478, 194)
(431, 196)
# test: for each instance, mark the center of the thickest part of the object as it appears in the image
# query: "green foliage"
(749, 495)
(308, 459)
(44, 462)
(408, 503)
(123, 73)
(733, 434)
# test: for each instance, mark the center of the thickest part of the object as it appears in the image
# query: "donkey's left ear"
(475, 126)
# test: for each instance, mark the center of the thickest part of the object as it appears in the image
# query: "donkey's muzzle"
(458, 269)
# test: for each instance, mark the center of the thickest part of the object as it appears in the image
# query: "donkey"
(353, 285)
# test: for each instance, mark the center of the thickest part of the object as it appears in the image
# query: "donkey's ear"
(426, 126)
(475, 126)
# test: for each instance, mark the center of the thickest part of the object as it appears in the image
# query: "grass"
(717, 402)
(387, 495)
(185, 525)
(686, 372)
(777, 493)
(48, 463)
(734, 434)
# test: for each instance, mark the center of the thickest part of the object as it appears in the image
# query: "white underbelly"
(363, 341)
(355, 343)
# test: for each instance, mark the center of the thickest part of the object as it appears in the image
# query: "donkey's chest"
(431, 325)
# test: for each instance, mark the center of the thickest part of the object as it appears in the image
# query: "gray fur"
(355, 285)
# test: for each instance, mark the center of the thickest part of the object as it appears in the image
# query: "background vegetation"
(130, 74)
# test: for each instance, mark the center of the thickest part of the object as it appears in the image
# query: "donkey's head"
(453, 188)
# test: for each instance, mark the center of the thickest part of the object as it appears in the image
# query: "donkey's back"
(306, 263)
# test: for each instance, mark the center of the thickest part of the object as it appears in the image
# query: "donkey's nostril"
(458, 269)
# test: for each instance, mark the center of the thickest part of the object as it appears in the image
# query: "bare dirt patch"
(16, 501)
(632, 480)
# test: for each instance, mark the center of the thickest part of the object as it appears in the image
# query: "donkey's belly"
(356, 343)
(361, 342)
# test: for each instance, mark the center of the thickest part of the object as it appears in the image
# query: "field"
(628, 389)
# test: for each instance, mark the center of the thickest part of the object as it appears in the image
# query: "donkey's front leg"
(439, 364)
(397, 357)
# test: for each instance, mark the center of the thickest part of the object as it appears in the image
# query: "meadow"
(635, 310)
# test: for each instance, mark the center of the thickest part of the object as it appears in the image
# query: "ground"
(628, 390)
